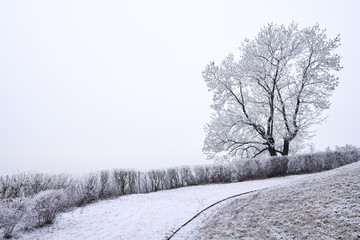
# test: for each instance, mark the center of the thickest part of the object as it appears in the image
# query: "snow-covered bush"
(202, 174)
(11, 212)
(132, 182)
(28, 213)
(186, 176)
(29, 184)
(275, 166)
(87, 189)
(173, 178)
(143, 178)
(12, 186)
(316, 162)
(139, 175)
(258, 168)
(43, 208)
(157, 180)
(126, 181)
(248, 169)
(242, 170)
(104, 185)
(306, 163)
(5, 185)
(221, 173)
(121, 180)
(347, 154)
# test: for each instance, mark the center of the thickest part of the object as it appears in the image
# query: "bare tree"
(172, 178)
(203, 174)
(89, 189)
(121, 180)
(186, 176)
(104, 184)
(132, 179)
(140, 183)
(272, 94)
(157, 179)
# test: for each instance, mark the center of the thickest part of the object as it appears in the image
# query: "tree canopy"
(271, 93)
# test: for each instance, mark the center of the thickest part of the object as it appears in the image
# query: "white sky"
(88, 85)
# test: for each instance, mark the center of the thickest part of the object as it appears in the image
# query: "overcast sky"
(88, 85)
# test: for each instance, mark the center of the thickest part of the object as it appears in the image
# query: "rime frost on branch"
(272, 94)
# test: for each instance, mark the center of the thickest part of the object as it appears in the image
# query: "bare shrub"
(145, 182)
(276, 166)
(227, 174)
(11, 212)
(27, 185)
(187, 176)
(172, 178)
(248, 169)
(44, 208)
(258, 168)
(5, 185)
(309, 163)
(221, 173)
(36, 183)
(121, 180)
(316, 162)
(140, 182)
(104, 185)
(12, 186)
(91, 188)
(132, 182)
(157, 180)
(216, 171)
(348, 154)
(59, 181)
(85, 190)
(242, 170)
(203, 174)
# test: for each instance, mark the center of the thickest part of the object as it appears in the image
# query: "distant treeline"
(31, 200)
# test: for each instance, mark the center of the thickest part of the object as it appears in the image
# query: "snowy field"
(324, 206)
(145, 216)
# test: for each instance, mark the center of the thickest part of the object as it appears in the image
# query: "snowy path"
(145, 216)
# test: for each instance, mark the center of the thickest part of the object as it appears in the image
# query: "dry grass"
(326, 206)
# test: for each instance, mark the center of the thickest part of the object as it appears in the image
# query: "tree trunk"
(285, 151)
(272, 151)
(271, 146)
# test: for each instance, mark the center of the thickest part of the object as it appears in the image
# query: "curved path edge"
(222, 200)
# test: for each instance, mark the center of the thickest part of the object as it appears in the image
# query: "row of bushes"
(260, 168)
(27, 185)
(108, 184)
(26, 192)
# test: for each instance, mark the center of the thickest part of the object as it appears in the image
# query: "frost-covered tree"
(270, 95)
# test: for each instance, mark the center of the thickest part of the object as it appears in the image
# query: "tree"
(272, 94)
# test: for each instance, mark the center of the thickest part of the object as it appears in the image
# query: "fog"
(90, 85)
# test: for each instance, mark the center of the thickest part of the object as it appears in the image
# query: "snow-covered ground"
(144, 216)
(324, 206)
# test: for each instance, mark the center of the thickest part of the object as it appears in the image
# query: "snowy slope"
(144, 216)
(324, 206)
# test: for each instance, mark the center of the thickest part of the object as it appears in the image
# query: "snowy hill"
(322, 206)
